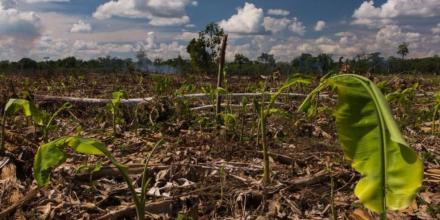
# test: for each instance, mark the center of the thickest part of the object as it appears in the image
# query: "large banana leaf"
(370, 138)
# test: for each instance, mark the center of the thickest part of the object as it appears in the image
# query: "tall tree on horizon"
(204, 50)
(403, 50)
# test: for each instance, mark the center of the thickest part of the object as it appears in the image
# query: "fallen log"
(237, 106)
(49, 98)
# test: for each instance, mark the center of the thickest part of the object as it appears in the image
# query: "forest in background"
(203, 54)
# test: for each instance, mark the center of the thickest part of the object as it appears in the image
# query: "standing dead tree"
(220, 77)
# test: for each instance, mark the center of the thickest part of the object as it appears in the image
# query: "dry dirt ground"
(202, 171)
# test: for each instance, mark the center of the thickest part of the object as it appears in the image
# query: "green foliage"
(204, 50)
(182, 216)
(230, 122)
(162, 84)
(185, 88)
(212, 92)
(87, 168)
(117, 96)
(266, 58)
(53, 154)
(50, 117)
(114, 107)
(403, 99)
(403, 50)
(307, 63)
(402, 96)
(391, 171)
(13, 106)
(229, 119)
(264, 111)
(29, 109)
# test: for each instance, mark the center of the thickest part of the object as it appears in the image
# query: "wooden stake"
(220, 75)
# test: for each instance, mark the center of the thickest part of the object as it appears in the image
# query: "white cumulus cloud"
(372, 16)
(20, 28)
(81, 27)
(393, 35)
(159, 12)
(276, 25)
(248, 20)
(320, 25)
(297, 27)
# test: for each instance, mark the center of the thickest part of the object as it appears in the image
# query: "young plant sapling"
(52, 154)
(391, 172)
(114, 107)
(266, 110)
(29, 110)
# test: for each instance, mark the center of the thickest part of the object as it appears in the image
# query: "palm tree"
(403, 49)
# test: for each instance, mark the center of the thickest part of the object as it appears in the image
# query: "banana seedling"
(40, 118)
(114, 108)
(230, 121)
(402, 98)
(391, 172)
(212, 93)
(264, 111)
(52, 154)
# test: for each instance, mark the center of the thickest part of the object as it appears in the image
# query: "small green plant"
(403, 98)
(211, 92)
(264, 112)
(15, 105)
(370, 138)
(39, 117)
(230, 121)
(161, 85)
(182, 216)
(114, 108)
(52, 154)
(48, 119)
(184, 89)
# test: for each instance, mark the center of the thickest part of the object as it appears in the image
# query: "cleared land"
(202, 171)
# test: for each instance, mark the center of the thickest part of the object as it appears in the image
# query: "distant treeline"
(241, 65)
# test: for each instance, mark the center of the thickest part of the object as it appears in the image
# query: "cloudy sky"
(285, 28)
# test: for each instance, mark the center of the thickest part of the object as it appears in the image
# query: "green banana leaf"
(52, 154)
(117, 96)
(370, 138)
(28, 108)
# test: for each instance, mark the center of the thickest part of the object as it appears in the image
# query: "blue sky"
(285, 28)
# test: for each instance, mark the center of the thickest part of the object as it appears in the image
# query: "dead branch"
(26, 199)
(165, 206)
